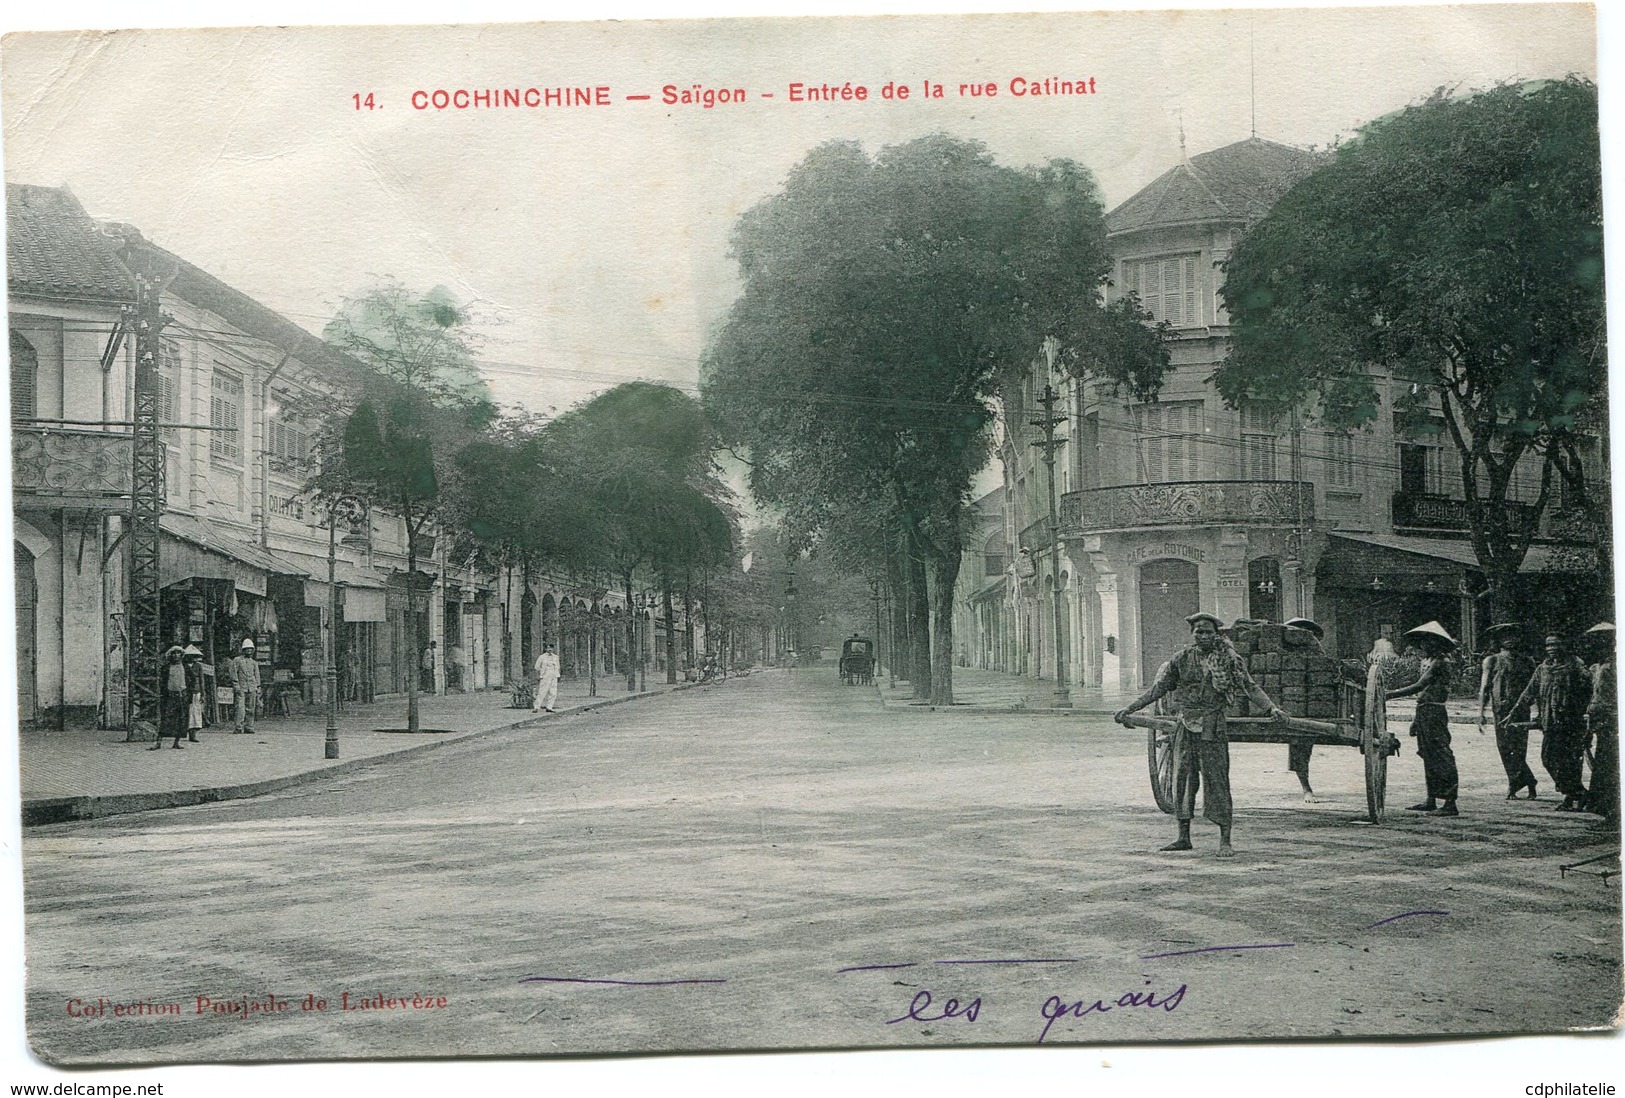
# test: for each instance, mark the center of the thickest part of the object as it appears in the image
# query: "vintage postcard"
(550, 539)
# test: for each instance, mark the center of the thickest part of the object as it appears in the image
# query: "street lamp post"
(1049, 421)
(643, 642)
(351, 510)
(874, 596)
(790, 614)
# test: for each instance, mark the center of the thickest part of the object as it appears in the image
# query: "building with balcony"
(1183, 504)
(243, 549)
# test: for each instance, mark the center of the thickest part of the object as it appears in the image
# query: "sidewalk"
(979, 691)
(83, 773)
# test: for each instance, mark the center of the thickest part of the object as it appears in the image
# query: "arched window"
(24, 378)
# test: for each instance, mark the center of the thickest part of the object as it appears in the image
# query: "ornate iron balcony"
(91, 467)
(1189, 503)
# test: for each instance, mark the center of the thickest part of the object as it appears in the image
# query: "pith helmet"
(248, 644)
(1432, 629)
(1309, 626)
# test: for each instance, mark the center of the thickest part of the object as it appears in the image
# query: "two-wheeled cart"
(1364, 727)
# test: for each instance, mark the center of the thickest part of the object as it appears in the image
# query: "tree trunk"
(671, 634)
(418, 642)
(633, 655)
(918, 621)
(944, 573)
(592, 649)
(688, 626)
(896, 644)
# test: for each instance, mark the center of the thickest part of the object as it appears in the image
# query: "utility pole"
(1049, 421)
(152, 274)
(874, 595)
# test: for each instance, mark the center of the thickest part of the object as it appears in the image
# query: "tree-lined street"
(778, 861)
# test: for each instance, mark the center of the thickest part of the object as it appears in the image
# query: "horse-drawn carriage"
(857, 661)
(1363, 725)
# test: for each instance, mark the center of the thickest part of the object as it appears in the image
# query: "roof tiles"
(1238, 182)
(54, 249)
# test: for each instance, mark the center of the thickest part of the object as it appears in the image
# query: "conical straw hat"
(1432, 629)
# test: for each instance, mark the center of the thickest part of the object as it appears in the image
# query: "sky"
(593, 243)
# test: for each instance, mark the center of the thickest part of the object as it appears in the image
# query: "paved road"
(743, 860)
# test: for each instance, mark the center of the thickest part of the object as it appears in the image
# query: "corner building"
(1183, 504)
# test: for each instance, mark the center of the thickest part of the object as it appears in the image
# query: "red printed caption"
(248, 1007)
(709, 97)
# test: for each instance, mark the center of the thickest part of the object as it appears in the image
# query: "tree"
(883, 300)
(1456, 245)
(636, 462)
(421, 401)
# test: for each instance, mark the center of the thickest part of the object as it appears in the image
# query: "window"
(1167, 287)
(290, 446)
(1169, 436)
(169, 371)
(1259, 430)
(225, 411)
(1340, 459)
(1426, 460)
(24, 378)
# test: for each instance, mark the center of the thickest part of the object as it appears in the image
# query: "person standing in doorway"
(245, 684)
(1431, 726)
(1501, 682)
(171, 698)
(547, 679)
(426, 675)
(1561, 692)
(192, 660)
(1206, 680)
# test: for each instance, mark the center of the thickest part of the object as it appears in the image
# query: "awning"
(348, 574)
(1352, 560)
(195, 550)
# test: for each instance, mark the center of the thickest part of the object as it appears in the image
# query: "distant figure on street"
(1504, 676)
(245, 685)
(172, 696)
(1602, 719)
(1297, 754)
(547, 679)
(1206, 680)
(192, 660)
(454, 668)
(1561, 692)
(1431, 726)
(426, 672)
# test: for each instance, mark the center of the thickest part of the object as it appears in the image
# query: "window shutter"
(1190, 290)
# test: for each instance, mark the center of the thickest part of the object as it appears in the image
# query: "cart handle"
(1296, 724)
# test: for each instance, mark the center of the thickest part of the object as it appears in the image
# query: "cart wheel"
(1159, 752)
(1373, 744)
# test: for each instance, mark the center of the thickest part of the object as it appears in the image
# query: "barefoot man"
(1205, 680)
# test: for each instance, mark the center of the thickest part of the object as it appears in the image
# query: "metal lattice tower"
(144, 652)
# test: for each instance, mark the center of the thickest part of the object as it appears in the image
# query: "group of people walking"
(1573, 704)
(180, 692)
